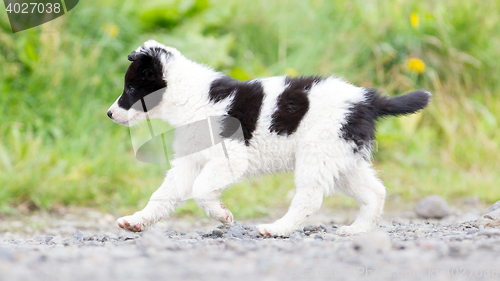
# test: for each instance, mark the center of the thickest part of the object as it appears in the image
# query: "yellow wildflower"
(291, 72)
(414, 21)
(415, 65)
(111, 29)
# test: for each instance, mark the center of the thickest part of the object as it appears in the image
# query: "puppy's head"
(145, 84)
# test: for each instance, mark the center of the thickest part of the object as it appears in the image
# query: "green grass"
(57, 146)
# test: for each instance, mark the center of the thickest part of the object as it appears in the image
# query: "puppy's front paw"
(351, 230)
(274, 229)
(227, 217)
(134, 223)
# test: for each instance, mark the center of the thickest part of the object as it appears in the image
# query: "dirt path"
(88, 246)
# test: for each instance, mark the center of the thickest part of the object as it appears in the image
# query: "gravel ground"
(86, 245)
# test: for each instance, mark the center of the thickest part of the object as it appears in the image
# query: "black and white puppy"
(320, 127)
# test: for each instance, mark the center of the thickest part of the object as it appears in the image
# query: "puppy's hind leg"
(361, 184)
(311, 180)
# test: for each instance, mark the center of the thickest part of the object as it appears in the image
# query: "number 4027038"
(32, 8)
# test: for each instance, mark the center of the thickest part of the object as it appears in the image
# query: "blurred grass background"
(58, 147)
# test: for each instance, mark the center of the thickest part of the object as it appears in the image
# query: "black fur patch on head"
(144, 76)
(246, 102)
(292, 104)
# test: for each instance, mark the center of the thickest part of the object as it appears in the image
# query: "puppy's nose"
(110, 114)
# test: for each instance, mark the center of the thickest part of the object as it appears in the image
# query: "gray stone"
(312, 228)
(78, 236)
(217, 233)
(432, 207)
(318, 236)
(254, 233)
(237, 231)
(48, 239)
(491, 219)
(493, 208)
(373, 242)
(493, 215)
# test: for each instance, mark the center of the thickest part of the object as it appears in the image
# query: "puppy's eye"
(130, 88)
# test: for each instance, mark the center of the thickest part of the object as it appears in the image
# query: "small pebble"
(432, 207)
(217, 233)
(312, 228)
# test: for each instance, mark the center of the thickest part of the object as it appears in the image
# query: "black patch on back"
(246, 103)
(305, 82)
(144, 76)
(292, 104)
(360, 122)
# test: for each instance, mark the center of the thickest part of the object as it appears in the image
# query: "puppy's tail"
(402, 105)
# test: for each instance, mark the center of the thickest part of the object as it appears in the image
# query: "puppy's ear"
(132, 57)
(135, 56)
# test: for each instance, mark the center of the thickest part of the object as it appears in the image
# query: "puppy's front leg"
(217, 175)
(175, 188)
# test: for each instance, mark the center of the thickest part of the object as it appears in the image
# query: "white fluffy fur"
(323, 161)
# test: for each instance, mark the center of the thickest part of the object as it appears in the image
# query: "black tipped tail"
(402, 105)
